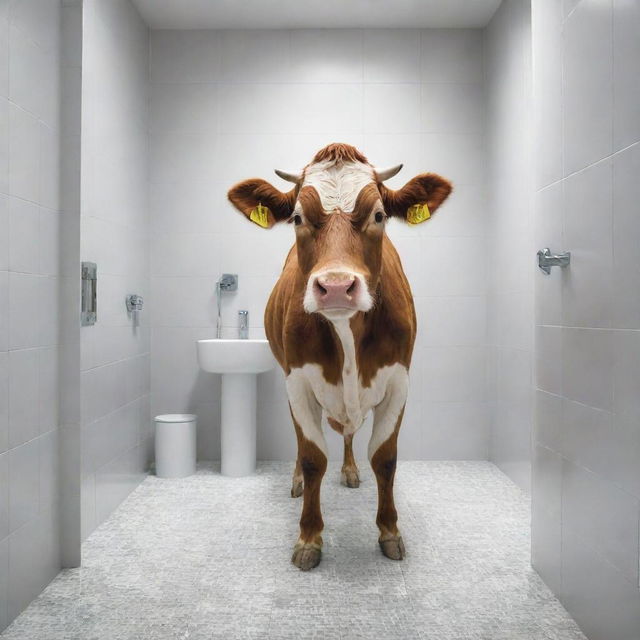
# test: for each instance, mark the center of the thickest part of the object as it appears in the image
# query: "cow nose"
(336, 290)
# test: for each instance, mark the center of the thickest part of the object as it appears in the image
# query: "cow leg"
(297, 482)
(383, 457)
(312, 458)
(349, 476)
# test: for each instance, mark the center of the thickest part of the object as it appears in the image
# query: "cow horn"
(296, 178)
(389, 172)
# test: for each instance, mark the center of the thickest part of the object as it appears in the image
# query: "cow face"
(339, 208)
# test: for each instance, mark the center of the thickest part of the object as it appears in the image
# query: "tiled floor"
(209, 557)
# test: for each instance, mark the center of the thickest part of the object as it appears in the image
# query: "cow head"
(338, 208)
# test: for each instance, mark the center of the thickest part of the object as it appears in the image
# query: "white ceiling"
(302, 14)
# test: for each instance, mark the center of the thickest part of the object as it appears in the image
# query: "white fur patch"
(338, 183)
(305, 407)
(387, 395)
(350, 381)
(386, 413)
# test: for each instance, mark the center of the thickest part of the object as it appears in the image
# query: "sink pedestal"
(238, 424)
(238, 361)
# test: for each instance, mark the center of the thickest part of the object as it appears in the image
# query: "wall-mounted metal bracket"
(89, 304)
(546, 260)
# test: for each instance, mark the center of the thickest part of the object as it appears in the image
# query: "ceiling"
(304, 14)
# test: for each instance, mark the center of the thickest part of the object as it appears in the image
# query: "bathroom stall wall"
(510, 246)
(586, 476)
(228, 105)
(29, 322)
(116, 430)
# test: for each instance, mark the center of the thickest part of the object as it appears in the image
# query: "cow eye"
(379, 216)
(297, 220)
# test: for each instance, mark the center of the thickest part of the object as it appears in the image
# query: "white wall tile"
(49, 242)
(4, 232)
(626, 67)
(4, 145)
(626, 345)
(48, 391)
(548, 428)
(48, 469)
(49, 188)
(4, 495)
(4, 310)
(24, 236)
(452, 108)
(24, 308)
(4, 57)
(587, 78)
(253, 55)
(186, 108)
(184, 56)
(452, 374)
(457, 157)
(326, 55)
(548, 88)
(23, 484)
(38, 19)
(451, 55)
(391, 55)
(453, 266)
(588, 235)
(549, 358)
(24, 154)
(457, 430)
(391, 108)
(453, 320)
(23, 396)
(4, 401)
(587, 358)
(26, 66)
(605, 516)
(625, 307)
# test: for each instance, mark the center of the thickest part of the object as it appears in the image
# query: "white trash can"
(176, 445)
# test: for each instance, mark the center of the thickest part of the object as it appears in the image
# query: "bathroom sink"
(238, 361)
(235, 356)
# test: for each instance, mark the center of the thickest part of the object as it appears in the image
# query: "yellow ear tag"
(418, 213)
(260, 215)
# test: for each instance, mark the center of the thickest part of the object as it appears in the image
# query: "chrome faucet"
(243, 325)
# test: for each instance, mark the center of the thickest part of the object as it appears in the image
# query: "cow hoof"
(306, 556)
(297, 488)
(350, 478)
(393, 548)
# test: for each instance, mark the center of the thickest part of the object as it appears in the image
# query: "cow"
(341, 320)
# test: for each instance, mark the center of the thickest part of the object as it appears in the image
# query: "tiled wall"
(29, 269)
(116, 430)
(234, 104)
(586, 476)
(510, 246)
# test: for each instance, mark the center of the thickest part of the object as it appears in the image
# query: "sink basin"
(235, 356)
(238, 361)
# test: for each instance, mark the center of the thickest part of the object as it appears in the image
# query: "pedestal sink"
(239, 361)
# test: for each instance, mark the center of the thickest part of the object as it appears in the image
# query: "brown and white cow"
(341, 320)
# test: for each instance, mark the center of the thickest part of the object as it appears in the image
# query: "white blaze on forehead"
(338, 183)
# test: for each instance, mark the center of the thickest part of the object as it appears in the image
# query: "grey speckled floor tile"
(208, 557)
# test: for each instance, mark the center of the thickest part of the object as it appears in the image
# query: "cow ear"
(418, 199)
(261, 202)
